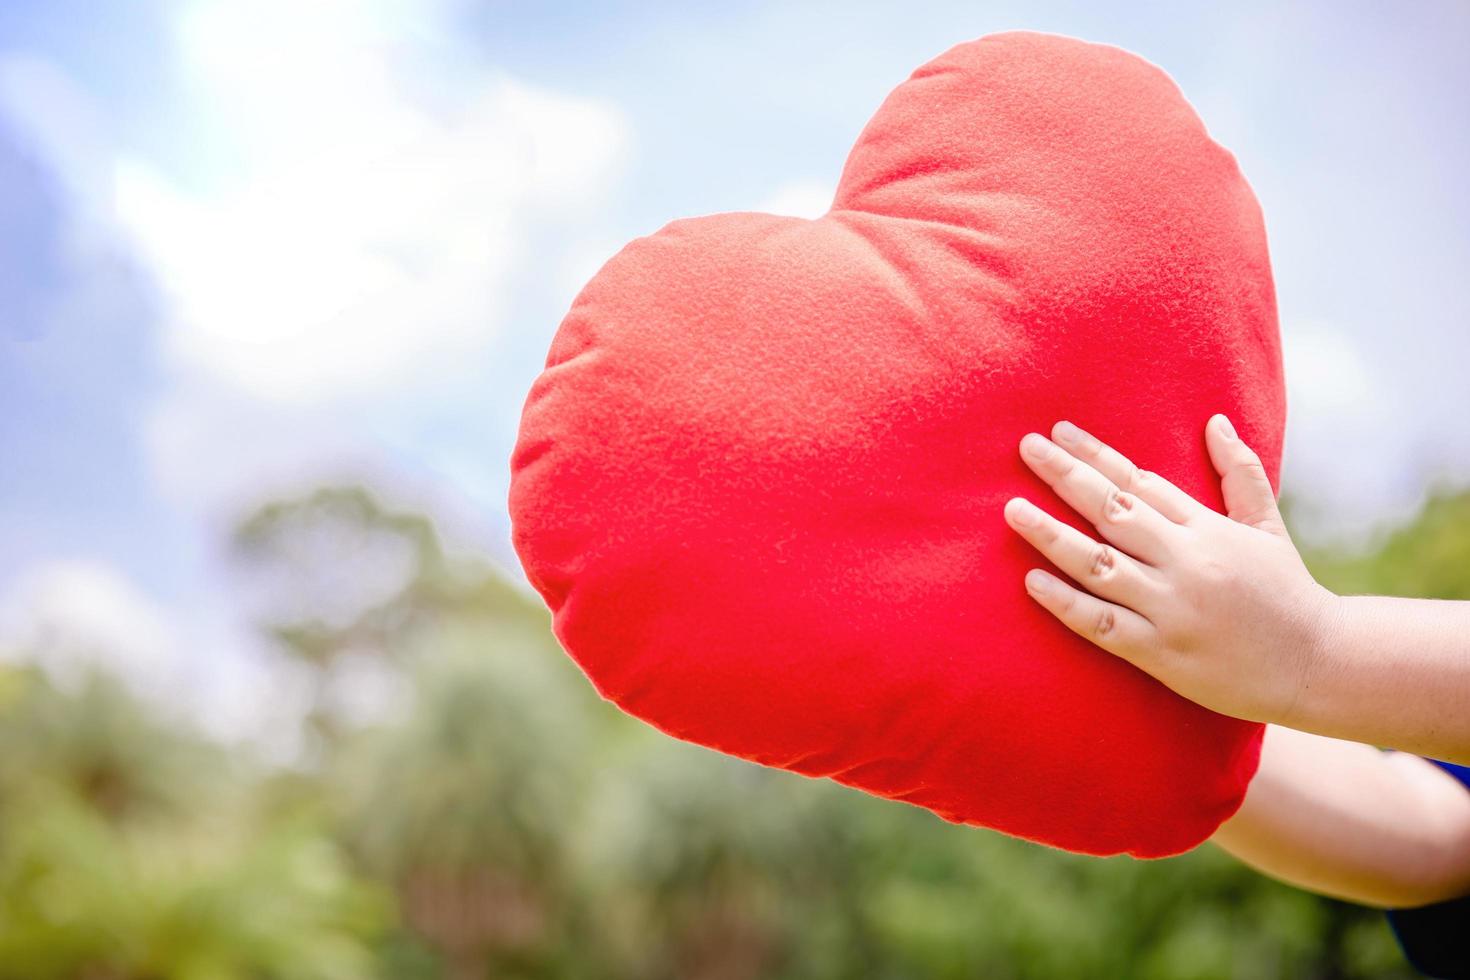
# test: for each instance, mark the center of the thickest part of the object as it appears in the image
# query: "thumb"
(1249, 498)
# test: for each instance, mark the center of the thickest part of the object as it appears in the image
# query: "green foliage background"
(502, 821)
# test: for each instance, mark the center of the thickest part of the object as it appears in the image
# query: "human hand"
(1219, 608)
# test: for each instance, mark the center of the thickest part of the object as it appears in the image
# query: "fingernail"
(1036, 446)
(1226, 429)
(1038, 583)
(1077, 440)
(1067, 432)
(1024, 513)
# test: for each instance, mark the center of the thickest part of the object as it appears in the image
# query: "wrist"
(1322, 625)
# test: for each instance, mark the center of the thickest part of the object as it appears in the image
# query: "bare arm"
(1222, 609)
(1392, 672)
(1347, 820)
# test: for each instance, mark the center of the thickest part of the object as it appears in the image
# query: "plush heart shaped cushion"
(760, 480)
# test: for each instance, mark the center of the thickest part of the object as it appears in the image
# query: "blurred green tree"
(130, 849)
(531, 829)
(487, 815)
(1427, 558)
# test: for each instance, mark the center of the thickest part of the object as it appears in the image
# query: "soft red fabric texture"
(760, 480)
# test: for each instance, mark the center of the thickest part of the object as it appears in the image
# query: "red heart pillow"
(760, 480)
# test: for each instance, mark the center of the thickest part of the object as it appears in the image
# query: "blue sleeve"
(1436, 938)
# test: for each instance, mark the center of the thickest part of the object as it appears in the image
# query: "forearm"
(1392, 672)
(1350, 821)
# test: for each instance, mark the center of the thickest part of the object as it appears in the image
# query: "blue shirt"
(1436, 938)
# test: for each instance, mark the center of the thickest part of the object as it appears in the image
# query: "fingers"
(1249, 498)
(1156, 491)
(1099, 568)
(1122, 518)
(1117, 630)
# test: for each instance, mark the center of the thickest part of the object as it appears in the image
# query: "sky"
(250, 246)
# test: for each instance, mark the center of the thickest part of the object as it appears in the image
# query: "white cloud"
(335, 231)
(1328, 374)
(800, 199)
(364, 240)
(215, 451)
(199, 666)
(336, 234)
(1348, 465)
(71, 616)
